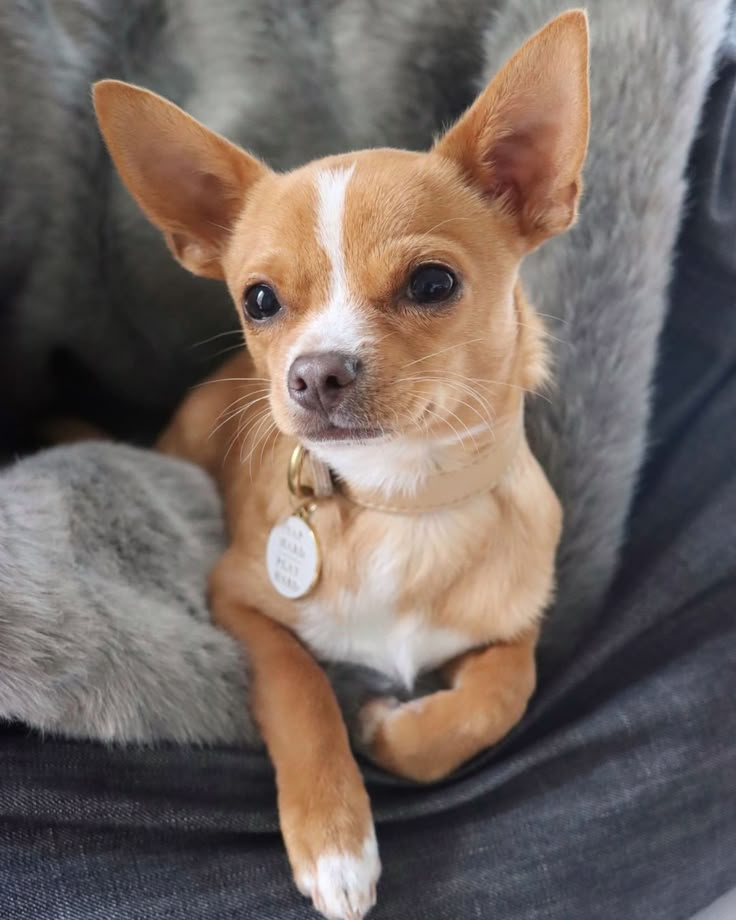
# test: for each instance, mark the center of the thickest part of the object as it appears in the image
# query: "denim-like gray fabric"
(722, 909)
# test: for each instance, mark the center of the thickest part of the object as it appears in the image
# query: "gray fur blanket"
(104, 549)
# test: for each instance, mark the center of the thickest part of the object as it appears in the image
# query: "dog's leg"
(428, 738)
(323, 805)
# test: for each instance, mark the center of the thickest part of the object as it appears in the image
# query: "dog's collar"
(437, 492)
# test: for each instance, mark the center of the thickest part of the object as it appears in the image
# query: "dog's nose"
(320, 381)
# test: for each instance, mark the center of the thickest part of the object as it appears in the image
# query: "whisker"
(273, 448)
(463, 387)
(383, 338)
(224, 351)
(499, 383)
(447, 220)
(240, 431)
(514, 386)
(233, 415)
(558, 319)
(220, 226)
(444, 421)
(467, 430)
(206, 383)
(442, 351)
(240, 399)
(485, 420)
(219, 335)
(250, 427)
(240, 411)
(233, 441)
(257, 441)
(269, 432)
(546, 333)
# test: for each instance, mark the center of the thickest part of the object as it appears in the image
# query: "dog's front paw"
(340, 882)
(331, 842)
(407, 739)
(372, 718)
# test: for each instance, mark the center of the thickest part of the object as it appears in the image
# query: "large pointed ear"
(523, 141)
(190, 182)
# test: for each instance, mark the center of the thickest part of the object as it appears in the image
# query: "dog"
(383, 505)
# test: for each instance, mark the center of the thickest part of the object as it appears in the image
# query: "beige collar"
(438, 491)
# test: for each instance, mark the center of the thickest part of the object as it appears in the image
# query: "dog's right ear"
(522, 143)
(189, 181)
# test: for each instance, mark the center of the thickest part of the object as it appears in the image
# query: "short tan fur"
(430, 388)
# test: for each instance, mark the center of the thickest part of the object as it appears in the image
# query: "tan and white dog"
(384, 507)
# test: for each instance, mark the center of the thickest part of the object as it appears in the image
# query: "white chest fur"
(362, 625)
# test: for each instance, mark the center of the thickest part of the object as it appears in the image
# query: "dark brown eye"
(431, 284)
(260, 302)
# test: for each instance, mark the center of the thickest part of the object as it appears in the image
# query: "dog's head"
(377, 289)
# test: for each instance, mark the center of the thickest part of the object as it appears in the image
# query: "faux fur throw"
(104, 549)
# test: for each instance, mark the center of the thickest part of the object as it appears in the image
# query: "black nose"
(320, 381)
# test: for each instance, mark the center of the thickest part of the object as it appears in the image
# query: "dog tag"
(292, 556)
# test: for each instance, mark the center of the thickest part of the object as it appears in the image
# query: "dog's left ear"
(190, 182)
(523, 141)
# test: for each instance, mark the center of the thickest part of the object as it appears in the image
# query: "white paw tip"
(373, 714)
(343, 885)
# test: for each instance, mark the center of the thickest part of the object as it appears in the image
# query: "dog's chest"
(370, 619)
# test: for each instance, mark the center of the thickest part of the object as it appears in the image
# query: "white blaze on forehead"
(332, 186)
(339, 325)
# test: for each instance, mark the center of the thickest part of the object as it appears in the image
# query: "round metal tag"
(293, 557)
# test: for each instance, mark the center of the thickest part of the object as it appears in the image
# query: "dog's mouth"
(330, 433)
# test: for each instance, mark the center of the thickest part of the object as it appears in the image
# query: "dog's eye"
(431, 284)
(260, 302)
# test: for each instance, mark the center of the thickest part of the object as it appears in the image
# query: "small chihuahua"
(384, 507)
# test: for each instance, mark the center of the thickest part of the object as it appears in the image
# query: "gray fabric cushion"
(104, 628)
